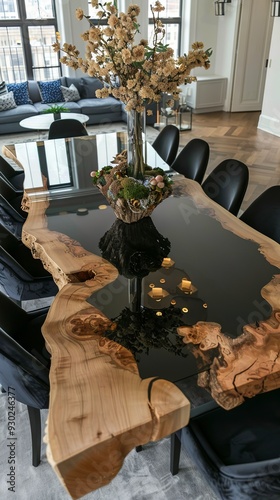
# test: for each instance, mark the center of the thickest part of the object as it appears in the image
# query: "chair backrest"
(67, 127)
(14, 177)
(24, 361)
(264, 213)
(18, 284)
(10, 200)
(9, 223)
(227, 184)
(167, 142)
(192, 161)
(21, 254)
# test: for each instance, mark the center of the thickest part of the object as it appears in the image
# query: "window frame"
(173, 20)
(165, 20)
(23, 24)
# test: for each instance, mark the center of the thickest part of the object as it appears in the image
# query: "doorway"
(255, 29)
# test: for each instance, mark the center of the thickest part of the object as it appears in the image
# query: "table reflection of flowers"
(135, 73)
(142, 330)
(135, 250)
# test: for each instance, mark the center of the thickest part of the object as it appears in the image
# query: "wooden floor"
(235, 135)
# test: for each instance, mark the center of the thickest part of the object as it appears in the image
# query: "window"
(171, 18)
(27, 32)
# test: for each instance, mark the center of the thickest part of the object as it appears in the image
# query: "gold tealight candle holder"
(158, 293)
(167, 262)
(186, 286)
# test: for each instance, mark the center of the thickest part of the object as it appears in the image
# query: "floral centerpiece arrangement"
(136, 73)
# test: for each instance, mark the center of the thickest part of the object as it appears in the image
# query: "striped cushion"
(3, 88)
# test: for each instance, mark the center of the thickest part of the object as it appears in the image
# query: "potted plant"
(56, 110)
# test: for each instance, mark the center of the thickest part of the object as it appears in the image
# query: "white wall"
(270, 116)
(219, 33)
(70, 28)
(203, 28)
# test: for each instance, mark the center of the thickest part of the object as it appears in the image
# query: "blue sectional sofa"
(100, 111)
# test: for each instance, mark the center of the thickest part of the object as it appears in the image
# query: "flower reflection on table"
(138, 251)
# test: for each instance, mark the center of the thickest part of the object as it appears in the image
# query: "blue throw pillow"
(20, 91)
(51, 91)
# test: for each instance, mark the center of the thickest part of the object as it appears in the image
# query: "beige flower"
(126, 56)
(138, 53)
(79, 14)
(133, 10)
(143, 71)
(113, 20)
(102, 93)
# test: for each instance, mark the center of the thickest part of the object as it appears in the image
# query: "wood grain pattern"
(100, 408)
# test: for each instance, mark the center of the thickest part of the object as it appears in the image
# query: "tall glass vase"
(136, 148)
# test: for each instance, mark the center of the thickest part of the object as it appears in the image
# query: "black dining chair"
(67, 127)
(17, 283)
(192, 161)
(237, 450)
(264, 213)
(9, 223)
(10, 201)
(24, 364)
(21, 254)
(166, 143)
(227, 184)
(12, 176)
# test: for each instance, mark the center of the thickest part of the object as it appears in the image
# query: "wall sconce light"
(220, 7)
(275, 8)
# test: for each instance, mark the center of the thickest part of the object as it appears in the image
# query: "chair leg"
(35, 427)
(175, 451)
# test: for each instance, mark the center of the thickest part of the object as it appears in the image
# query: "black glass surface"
(227, 272)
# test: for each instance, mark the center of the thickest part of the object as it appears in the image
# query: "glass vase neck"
(136, 150)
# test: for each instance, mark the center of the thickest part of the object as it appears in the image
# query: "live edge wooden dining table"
(142, 310)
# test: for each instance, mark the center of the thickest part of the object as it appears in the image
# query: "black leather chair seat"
(238, 450)
(192, 161)
(67, 127)
(227, 184)
(167, 142)
(264, 213)
(24, 363)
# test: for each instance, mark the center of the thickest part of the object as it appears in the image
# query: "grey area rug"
(144, 475)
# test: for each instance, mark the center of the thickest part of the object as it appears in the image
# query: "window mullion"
(21, 9)
(27, 51)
